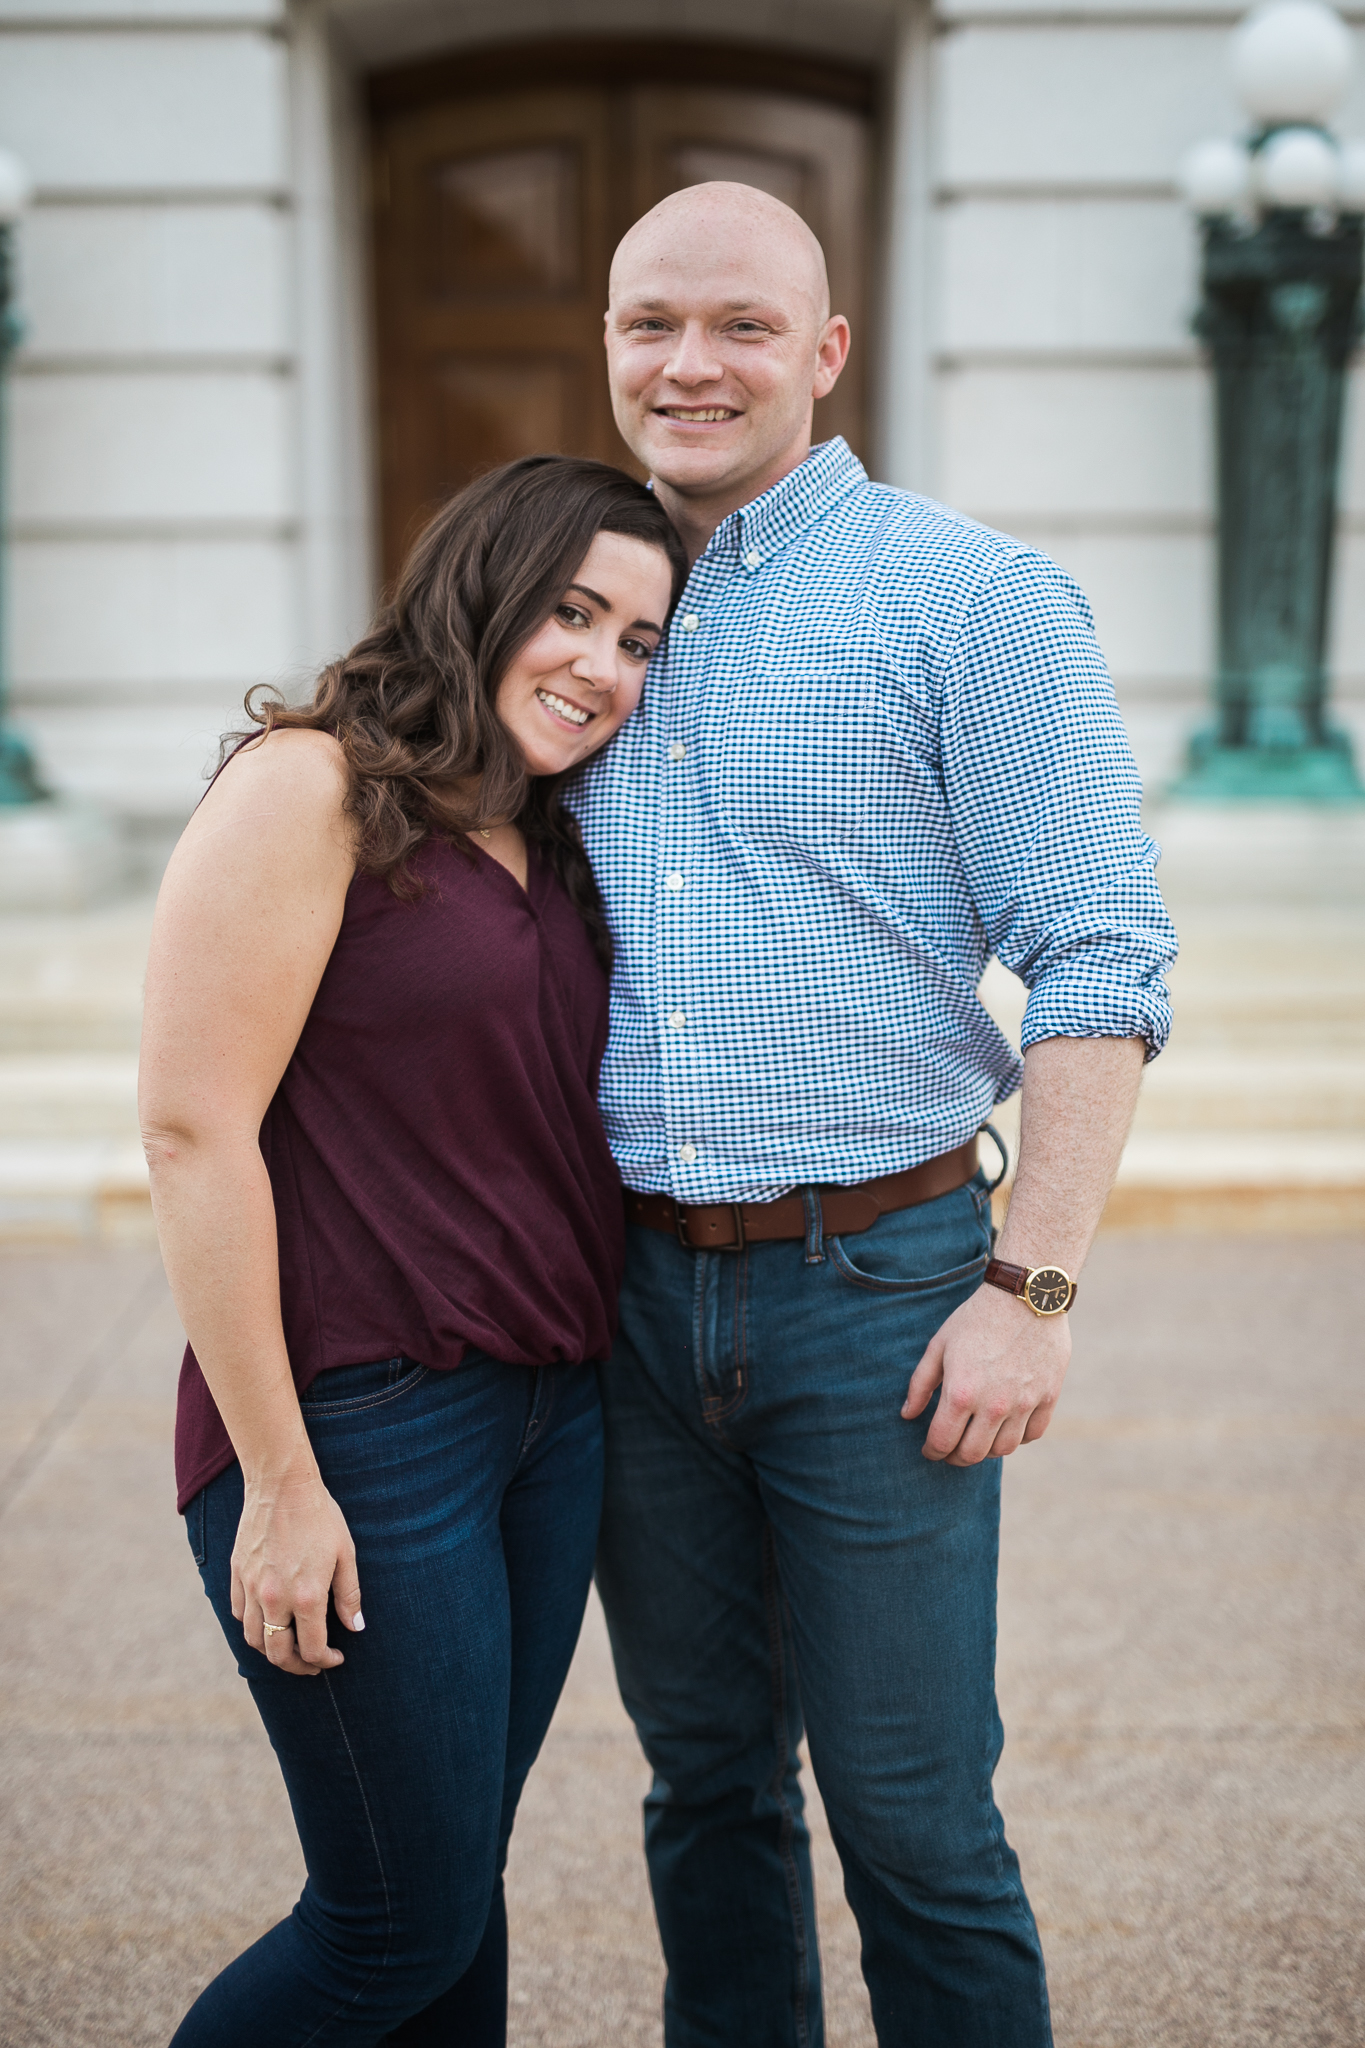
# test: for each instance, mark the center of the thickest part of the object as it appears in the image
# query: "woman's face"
(580, 676)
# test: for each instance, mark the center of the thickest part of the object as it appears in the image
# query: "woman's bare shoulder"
(282, 794)
(307, 761)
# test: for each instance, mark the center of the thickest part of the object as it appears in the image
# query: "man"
(879, 745)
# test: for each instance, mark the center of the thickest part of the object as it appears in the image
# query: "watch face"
(1048, 1291)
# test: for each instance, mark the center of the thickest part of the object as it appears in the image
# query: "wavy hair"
(414, 703)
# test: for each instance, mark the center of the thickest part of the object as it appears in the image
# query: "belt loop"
(815, 1227)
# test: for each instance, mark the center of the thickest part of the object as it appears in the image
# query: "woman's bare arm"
(247, 917)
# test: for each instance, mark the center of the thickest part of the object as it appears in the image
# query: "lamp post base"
(1298, 775)
(58, 854)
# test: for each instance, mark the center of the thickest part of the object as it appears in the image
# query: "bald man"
(878, 745)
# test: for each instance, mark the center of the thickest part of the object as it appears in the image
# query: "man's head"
(719, 341)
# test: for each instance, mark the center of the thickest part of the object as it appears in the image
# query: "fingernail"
(359, 1623)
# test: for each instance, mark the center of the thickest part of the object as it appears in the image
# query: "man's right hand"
(293, 1548)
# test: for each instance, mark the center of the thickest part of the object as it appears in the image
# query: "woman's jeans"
(473, 1499)
(775, 1551)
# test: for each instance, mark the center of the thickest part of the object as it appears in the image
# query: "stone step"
(58, 1189)
(68, 1095)
(1198, 1090)
(1209, 1181)
(74, 983)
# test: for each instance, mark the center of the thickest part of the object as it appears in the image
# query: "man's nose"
(693, 359)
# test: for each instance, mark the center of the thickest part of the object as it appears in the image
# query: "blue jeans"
(473, 1499)
(775, 1550)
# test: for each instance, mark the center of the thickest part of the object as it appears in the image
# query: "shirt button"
(752, 559)
(673, 882)
(678, 1021)
(687, 1153)
(690, 622)
(677, 752)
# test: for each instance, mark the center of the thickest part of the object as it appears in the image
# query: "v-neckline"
(523, 889)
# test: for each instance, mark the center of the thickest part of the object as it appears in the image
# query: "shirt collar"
(801, 497)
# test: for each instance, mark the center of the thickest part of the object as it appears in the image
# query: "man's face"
(716, 351)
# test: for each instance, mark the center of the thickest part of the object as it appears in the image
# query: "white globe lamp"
(1216, 177)
(1291, 61)
(1297, 168)
(16, 188)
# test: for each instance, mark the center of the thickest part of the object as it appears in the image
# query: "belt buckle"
(680, 1223)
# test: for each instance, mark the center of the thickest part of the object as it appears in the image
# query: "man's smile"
(698, 415)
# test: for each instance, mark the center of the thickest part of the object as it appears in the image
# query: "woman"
(376, 1006)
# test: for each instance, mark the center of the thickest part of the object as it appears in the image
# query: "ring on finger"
(277, 1628)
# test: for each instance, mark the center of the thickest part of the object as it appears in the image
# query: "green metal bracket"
(1281, 316)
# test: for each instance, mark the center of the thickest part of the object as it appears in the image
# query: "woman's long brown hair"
(414, 703)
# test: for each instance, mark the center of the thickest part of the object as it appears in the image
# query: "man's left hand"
(1001, 1370)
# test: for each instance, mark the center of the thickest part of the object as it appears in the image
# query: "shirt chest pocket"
(793, 757)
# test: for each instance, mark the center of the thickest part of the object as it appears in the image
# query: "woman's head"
(549, 579)
(498, 588)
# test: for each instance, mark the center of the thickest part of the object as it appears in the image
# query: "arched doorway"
(502, 181)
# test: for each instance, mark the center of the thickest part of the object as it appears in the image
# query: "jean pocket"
(882, 1283)
(350, 1389)
(937, 1244)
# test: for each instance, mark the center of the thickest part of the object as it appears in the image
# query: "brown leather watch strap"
(729, 1226)
(1013, 1279)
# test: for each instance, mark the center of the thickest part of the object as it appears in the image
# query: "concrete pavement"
(1181, 1682)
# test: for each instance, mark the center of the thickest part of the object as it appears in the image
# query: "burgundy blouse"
(440, 1171)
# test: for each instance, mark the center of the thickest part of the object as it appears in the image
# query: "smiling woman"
(376, 1010)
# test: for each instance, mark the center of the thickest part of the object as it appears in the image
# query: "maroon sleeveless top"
(440, 1171)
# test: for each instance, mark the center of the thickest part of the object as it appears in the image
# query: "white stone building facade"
(192, 496)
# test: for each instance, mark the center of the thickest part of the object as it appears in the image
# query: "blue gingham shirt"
(878, 745)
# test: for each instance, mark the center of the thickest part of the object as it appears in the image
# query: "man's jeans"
(774, 1546)
(472, 1498)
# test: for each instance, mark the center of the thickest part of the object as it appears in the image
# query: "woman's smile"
(562, 711)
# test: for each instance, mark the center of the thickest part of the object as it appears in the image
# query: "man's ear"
(831, 353)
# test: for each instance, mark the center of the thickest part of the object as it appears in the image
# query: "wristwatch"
(1047, 1290)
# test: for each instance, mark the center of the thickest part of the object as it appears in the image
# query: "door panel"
(492, 247)
(496, 216)
(489, 410)
(504, 224)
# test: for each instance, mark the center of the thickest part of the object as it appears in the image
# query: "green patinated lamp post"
(19, 782)
(1282, 229)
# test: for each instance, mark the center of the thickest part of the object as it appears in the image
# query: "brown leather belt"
(729, 1226)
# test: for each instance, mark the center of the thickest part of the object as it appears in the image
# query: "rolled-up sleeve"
(1045, 802)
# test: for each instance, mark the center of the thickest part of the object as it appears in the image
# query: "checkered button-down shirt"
(879, 745)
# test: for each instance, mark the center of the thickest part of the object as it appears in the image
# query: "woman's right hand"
(293, 1548)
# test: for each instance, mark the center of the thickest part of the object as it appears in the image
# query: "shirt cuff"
(1082, 1005)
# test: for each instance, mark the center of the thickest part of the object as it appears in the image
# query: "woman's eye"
(572, 615)
(638, 650)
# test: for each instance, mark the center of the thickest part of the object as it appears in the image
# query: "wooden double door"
(498, 201)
